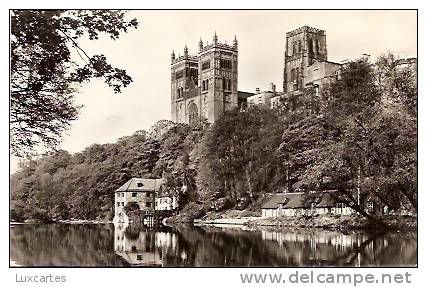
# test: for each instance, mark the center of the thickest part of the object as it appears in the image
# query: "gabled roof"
(301, 200)
(289, 200)
(141, 184)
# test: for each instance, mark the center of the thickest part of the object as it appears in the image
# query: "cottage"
(301, 203)
(140, 190)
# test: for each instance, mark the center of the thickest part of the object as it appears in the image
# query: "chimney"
(272, 88)
(257, 91)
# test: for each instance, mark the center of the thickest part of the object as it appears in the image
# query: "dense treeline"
(357, 135)
(363, 139)
(63, 186)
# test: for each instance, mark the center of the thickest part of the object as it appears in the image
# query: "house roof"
(301, 200)
(147, 185)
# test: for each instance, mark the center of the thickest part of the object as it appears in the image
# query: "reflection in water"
(187, 245)
(140, 246)
(63, 245)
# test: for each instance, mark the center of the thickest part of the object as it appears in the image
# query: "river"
(107, 245)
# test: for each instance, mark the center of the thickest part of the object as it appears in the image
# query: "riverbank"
(68, 221)
(333, 222)
(223, 217)
(349, 222)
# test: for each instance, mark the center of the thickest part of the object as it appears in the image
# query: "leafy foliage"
(45, 74)
(81, 186)
(364, 140)
(239, 154)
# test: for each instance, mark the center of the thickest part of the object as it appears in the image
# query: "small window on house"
(134, 194)
(148, 204)
(123, 194)
(139, 184)
(123, 204)
(118, 204)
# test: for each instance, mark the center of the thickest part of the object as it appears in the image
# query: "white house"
(140, 190)
(166, 203)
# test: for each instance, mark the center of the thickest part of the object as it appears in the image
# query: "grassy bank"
(351, 222)
(195, 213)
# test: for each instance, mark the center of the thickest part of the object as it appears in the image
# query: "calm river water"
(106, 245)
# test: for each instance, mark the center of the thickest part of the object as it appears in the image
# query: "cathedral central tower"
(304, 46)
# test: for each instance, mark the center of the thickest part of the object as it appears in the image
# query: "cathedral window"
(225, 64)
(292, 75)
(310, 46)
(193, 113)
(206, 65)
(205, 85)
(299, 46)
(179, 74)
(229, 85)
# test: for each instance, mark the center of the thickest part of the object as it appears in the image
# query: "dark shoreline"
(341, 223)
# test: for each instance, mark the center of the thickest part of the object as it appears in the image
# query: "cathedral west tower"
(204, 86)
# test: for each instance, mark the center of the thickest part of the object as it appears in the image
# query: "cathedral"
(204, 85)
(306, 60)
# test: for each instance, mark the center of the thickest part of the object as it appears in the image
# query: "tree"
(368, 145)
(239, 154)
(64, 186)
(45, 75)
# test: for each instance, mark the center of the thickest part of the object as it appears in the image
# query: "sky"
(145, 54)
